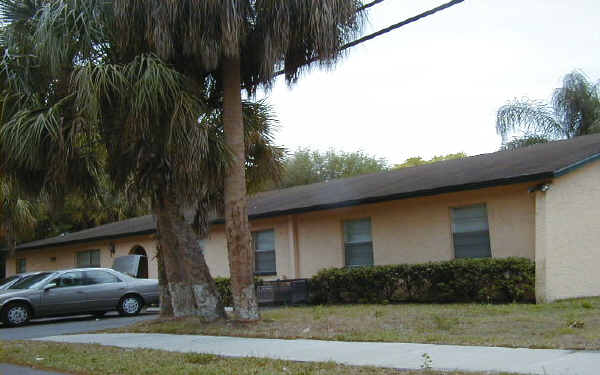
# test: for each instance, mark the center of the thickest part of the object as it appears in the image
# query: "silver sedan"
(79, 291)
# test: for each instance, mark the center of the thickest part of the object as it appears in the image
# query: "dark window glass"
(470, 232)
(69, 279)
(88, 259)
(264, 247)
(21, 265)
(100, 277)
(358, 243)
(30, 282)
(8, 280)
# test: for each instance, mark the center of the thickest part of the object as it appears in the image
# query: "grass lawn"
(573, 324)
(98, 360)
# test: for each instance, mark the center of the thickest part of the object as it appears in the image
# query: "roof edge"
(578, 164)
(93, 239)
(368, 200)
(414, 194)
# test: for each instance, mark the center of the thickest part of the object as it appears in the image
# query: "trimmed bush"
(463, 280)
(224, 289)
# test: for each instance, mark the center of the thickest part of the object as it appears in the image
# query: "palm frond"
(577, 104)
(527, 117)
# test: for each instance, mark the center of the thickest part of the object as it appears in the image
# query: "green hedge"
(224, 289)
(463, 280)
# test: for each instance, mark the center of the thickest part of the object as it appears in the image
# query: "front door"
(69, 295)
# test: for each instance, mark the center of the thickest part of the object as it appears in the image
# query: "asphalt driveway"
(70, 325)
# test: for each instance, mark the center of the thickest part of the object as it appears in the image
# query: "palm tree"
(16, 214)
(157, 125)
(242, 44)
(574, 111)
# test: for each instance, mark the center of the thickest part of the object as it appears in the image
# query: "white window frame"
(256, 251)
(354, 243)
(89, 252)
(453, 232)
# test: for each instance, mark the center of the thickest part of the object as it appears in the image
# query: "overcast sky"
(434, 87)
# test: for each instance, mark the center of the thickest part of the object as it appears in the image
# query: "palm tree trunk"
(192, 290)
(241, 256)
(166, 306)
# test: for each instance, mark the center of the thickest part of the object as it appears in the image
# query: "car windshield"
(7, 280)
(30, 282)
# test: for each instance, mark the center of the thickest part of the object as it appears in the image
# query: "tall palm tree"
(573, 111)
(157, 123)
(242, 43)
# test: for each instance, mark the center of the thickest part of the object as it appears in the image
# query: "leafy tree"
(417, 160)
(82, 212)
(242, 44)
(156, 126)
(307, 166)
(573, 111)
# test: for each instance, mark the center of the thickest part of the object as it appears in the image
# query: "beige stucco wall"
(419, 230)
(215, 250)
(568, 236)
(404, 231)
(56, 258)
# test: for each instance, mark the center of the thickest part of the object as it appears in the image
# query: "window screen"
(264, 246)
(89, 258)
(358, 244)
(470, 232)
(21, 265)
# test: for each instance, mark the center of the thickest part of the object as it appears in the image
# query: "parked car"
(78, 291)
(6, 283)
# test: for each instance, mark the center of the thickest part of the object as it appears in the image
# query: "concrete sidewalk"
(395, 355)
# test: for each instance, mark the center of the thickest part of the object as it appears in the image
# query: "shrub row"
(463, 280)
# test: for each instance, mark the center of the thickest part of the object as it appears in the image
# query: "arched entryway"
(143, 268)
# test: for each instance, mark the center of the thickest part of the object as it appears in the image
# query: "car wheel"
(130, 305)
(16, 314)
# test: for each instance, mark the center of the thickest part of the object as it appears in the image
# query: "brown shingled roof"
(498, 168)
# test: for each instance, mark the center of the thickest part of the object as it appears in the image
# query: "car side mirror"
(49, 286)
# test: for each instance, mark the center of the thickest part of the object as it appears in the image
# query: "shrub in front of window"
(461, 280)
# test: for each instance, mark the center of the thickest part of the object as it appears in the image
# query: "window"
(21, 265)
(358, 244)
(100, 277)
(264, 247)
(90, 258)
(470, 232)
(74, 278)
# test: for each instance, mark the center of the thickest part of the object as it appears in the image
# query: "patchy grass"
(99, 360)
(572, 324)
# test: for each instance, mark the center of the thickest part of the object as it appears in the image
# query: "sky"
(433, 87)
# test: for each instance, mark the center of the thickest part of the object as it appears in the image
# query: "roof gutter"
(570, 168)
(413, 194)
(85, 240)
